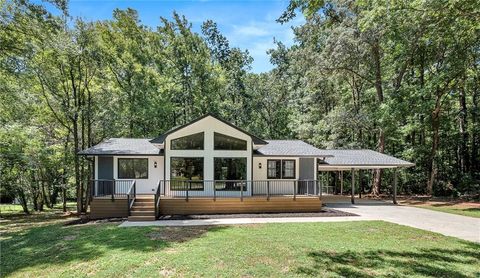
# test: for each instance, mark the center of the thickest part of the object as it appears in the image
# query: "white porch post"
(341, 183)
(353, 186)
(395, 186)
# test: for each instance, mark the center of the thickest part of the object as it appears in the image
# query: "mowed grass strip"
(360, 249)
(471, 209)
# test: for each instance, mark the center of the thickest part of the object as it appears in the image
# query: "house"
(212, 166)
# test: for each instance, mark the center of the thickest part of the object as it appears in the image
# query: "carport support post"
(353, 186)
(360, 184)
(341, 183)
(395, 186)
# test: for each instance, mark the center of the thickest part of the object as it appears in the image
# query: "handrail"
(131, 187)
(130, 201)
(157, 199)
(295, 188)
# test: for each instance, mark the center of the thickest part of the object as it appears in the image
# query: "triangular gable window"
(189, 142)
(224, 142)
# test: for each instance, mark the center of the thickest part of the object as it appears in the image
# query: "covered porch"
(119, 198)
(354, 165)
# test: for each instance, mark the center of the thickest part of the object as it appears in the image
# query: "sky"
(247, 24)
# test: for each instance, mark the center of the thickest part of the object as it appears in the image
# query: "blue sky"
(247, 24)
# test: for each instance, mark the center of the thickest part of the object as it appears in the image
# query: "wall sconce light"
(260, 165)
(154, 164)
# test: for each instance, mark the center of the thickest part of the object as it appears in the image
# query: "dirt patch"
(86, 220)
(71, 237)
(165, 272)
(180, 234)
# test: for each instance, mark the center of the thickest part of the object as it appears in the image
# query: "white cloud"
(250, 30)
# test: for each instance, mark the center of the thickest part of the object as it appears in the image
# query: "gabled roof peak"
(161, 139)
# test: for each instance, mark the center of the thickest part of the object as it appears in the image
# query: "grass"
(471, 209)
(49, 248)
(9, 209)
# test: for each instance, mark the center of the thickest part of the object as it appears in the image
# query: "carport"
(358, 160)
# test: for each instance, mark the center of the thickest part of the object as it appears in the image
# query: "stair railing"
(131, 200)
(157, 199)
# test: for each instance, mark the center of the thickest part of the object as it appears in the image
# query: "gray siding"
(105, 167)
(306, 168)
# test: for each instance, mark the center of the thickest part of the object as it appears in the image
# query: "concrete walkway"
(463, 227)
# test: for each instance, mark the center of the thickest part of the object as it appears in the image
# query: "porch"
(119, 198)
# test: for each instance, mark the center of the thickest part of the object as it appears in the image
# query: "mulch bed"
(85, 220)
(326, 212)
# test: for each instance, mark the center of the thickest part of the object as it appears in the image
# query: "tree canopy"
(400, 77)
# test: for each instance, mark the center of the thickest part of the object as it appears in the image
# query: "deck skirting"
(106, 208)
(180, 206)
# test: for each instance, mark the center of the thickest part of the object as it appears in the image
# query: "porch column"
(360, 183)
(353, 186)
(341, 183)
(395, 186)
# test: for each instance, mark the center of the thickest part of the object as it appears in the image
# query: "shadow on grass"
(56, 245)
(434, 262)
(471, 209)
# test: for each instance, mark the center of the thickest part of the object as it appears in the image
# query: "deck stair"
(143, 208)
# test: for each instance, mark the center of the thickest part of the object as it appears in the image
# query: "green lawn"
(472, 212)
(471, 209)
(9, 209)
(359, 249)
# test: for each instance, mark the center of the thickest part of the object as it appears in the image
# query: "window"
(230, 173)
(189, 142)
(133, 168)
(230, 168)
(273, 169)
(224, 142)
(288, 169)
(280, 169)
(186, 173)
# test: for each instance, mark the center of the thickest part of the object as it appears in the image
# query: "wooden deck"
(104, 207)
(180, 206)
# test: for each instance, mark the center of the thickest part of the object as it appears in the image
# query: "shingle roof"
(363, 157)
(291, 148)
(122, 146)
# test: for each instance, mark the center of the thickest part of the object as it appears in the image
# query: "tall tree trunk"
(381, 134)
(432, 169)
(463, 146)
(475, 112)
(23, 199)
(77, 165)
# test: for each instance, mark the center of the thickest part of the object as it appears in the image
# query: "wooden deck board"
(104, 207)
(235, 205)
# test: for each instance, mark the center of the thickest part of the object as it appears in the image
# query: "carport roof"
(360, 159)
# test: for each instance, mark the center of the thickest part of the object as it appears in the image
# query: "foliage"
(399, 77)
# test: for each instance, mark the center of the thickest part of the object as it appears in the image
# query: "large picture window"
(224, 142)
(281, 169)
(189, 142)
(133, 168)
(186, 173)
(230, 173)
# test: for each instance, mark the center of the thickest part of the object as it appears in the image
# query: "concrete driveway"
(463, 227)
